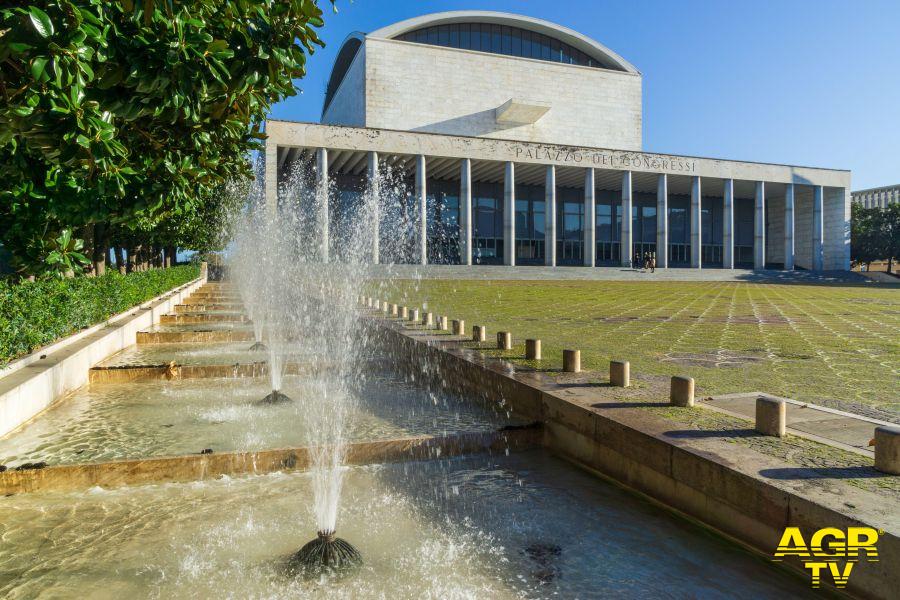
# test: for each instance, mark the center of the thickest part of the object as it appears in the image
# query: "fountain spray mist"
(301, 267)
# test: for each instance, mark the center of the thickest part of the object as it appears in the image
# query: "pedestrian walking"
(653, 262)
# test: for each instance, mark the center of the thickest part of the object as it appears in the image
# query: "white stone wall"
(775, 230)
(803, 225)
(836, 215)
(416, 87)
(348, 106)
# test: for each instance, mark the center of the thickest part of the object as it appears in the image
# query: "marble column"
(550, 217)
(271, 178)
(789, 227)
(465, 212)
(759, 227)
(662, 221)
(728, 225)
(374, 204)
(322, 202)
(590, 212)
(626, 247)
(696, 224)
(818, 257)
(422, 201)
(509, 214)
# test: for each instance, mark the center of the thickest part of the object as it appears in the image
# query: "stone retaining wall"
(722, 485)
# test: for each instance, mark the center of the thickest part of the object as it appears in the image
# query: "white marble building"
(522, 141)
(879, 197)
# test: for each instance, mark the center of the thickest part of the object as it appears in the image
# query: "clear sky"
(813, 83)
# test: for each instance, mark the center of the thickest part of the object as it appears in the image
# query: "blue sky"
(812, 83)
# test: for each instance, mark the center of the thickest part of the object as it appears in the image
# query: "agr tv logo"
(827, 548)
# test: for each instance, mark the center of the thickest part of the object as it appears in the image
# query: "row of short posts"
(771, 413)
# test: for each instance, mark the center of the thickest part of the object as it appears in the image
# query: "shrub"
(37, 313)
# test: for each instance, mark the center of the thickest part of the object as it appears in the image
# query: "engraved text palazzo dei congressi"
(586, 157)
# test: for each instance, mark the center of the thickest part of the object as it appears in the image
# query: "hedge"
(37, 313)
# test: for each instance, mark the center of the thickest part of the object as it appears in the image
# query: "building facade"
(879, 197)
(522, 143)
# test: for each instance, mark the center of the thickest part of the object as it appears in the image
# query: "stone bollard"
(681, 392)
(504, 340)
(404, 313)
(428, 320)
(619, 373)
(395, 310)
(771, 416)
(459, 327)
(442, 323)
(370, 302)
(479, 333)
(414, 315)
(887, 449)
(533, 349)
(572, 361)
(385, 307)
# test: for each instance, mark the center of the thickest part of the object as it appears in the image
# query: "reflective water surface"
(108, 421)
(520, 526)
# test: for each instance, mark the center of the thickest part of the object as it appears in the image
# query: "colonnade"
(550, 227)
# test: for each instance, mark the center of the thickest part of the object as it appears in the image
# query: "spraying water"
(300, 267)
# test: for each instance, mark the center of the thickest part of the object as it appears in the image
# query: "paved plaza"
(538, 273)
(835, 344)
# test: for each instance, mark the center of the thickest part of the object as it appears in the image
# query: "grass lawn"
(832, 345)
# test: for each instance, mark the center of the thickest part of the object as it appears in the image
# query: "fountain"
(325, 555)
(302, 282)
(514, 524)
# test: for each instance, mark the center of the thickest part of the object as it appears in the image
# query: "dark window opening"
(501, 39)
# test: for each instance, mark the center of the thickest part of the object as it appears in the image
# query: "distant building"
(522, 141)
(877, 197)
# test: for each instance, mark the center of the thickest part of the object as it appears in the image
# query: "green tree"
(875, 234)
(891, 225)
(115, 112)
(863, 235)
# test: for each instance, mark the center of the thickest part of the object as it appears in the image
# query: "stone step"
(182, 337)
(211, 465)
(173, 371)
(203, 317)
(192, 308)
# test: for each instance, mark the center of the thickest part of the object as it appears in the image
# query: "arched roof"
(605, 57)
(592, 48)
(342, 62)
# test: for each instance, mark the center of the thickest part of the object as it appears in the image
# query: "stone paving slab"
(834, 427)
(539, 273)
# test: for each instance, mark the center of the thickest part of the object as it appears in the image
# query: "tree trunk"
(100, 249)
(173, 251)
(120, 259)
(167, 260)
(890, 265)
(87, 234)
(133, 258)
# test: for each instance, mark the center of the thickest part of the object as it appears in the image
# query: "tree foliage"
(134, 112)
(874, 234)
(36, 313)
